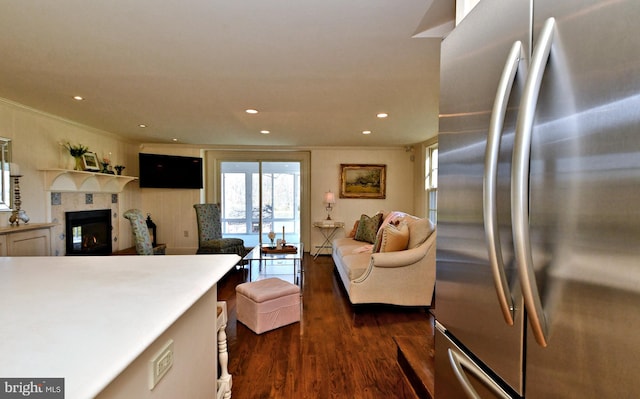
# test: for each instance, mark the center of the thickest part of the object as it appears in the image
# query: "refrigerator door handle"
(505, 299)
(520, 183)
(459, 363)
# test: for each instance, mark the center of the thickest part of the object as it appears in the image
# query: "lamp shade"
(329, 198)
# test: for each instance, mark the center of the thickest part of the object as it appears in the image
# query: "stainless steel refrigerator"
(538, 252)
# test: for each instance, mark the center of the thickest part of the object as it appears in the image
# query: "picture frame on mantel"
(363, 181)
(90, 161)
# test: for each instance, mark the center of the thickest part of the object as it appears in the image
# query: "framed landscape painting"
(363, 181)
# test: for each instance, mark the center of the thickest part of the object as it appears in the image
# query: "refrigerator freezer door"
(584, 202)
(473, 58)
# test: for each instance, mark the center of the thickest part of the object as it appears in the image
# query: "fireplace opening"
(88, 232)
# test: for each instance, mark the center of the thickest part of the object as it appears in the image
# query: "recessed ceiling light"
(382, 115)
(265, 131)
(142, 125)
(78, 98)
(366, 132)
(251, 111)
(174, 139)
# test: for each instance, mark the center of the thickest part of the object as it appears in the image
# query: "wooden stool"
(267, 304)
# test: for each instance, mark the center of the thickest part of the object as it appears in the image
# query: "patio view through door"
(258, 197)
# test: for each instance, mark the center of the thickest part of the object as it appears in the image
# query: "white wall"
(35, 145)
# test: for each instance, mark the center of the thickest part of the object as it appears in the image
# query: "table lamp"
(329, 199)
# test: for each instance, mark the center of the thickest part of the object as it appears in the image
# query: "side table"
(328, 228)
(296, 257)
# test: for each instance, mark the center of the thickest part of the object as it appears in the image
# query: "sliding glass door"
(258, 197)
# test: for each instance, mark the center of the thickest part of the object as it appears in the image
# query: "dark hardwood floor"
(336, 351)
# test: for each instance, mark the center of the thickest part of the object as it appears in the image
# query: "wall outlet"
(186, 233)
(160, 364)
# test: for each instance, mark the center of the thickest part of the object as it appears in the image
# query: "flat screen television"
(170, 171)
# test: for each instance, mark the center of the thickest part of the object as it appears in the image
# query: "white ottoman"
(267, 304)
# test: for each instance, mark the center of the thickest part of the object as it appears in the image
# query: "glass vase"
(79, 165)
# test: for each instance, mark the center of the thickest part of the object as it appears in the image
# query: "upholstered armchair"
(210, 239)
(141, 233)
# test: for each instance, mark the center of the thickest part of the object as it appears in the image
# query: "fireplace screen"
(88, 232)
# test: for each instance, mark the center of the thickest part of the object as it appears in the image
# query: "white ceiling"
(318, 71)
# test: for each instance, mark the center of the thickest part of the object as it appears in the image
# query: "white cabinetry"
(26, 240)
(3, 245)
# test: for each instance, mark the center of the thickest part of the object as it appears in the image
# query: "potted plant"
(77, 151)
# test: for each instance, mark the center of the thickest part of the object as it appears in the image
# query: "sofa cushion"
(394, 238)
(368, 228)
(349, 246)
(353, 231)
(419, 231)
(393, 217)
(356, 264)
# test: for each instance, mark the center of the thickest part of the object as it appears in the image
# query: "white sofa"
(402, 277)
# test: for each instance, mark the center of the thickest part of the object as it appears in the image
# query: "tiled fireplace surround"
(70, 202)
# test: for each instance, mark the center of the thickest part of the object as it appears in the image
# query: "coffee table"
(256, 254)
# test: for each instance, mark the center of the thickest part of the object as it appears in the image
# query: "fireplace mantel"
(64, 180)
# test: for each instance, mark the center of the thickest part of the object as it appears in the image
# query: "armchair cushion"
(222, 246)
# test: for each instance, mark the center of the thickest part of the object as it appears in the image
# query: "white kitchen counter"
(86, 319)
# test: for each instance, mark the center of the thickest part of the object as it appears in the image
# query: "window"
(431, 180)
(258, 197)
(259, 191)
